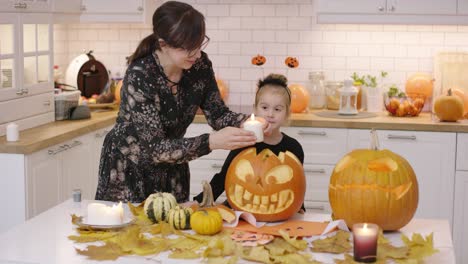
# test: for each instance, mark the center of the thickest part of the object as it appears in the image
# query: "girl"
(272, 102)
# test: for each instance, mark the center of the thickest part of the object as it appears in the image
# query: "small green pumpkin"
(157, 206)
(179, 217)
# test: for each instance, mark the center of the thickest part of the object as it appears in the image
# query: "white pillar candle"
(100, 214)
(12, 133)
(255, 126)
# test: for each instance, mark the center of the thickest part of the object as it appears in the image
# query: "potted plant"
(371, 90)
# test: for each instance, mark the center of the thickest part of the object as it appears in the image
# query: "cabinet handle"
(317, 207)
(401, 137)
(17, 5)
(19, 92)
(25, 91)
(75, 143)
(140, 9)
(312, 133)
(58, 150)
(25, 6)
(392, 8)
(47, 103)
(381, 8)
(322, 171)
(216, 166)
(83, 8)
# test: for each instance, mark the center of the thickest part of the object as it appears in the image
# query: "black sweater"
(287, 143)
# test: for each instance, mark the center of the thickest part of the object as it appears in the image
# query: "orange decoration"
(118, 87)
(258, 60)
(299, 98)
(223, 89)
(448, 107)
(291, 62)
(460, 93)
(270, 187)
(419, 84)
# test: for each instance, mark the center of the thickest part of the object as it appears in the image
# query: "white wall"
(240, 29)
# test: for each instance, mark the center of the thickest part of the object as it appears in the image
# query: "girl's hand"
(267, 129)
(230, 138)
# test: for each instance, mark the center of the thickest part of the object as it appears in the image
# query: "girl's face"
(271, 106)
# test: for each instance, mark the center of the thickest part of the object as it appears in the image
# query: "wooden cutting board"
(450, 71)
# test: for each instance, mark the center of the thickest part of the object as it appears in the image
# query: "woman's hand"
(266, 126)
(231, 138)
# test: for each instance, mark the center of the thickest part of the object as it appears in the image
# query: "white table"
(43, 239)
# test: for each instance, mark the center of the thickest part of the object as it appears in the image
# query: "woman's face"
(181, 57)
(272, 107)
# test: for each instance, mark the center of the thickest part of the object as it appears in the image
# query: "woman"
(167, 80)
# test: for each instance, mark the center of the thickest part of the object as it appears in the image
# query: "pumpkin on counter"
(206, 222)
(374, 186)
(449, 107)
(270, 187)
(179, 217)
(419, 84)
(299, 98)
(463, 96)
(157, 206)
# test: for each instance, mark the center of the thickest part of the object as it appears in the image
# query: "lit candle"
(255, 126)
(365, 242)
(100, 214)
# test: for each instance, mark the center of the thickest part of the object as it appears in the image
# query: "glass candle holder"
(365, 242)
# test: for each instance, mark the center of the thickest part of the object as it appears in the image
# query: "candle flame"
(252, 117)
(365, 226)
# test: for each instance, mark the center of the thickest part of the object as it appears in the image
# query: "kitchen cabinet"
(462, 151)
(462, 7)
(432, 156)
(136, 11)
(390, 11)
(460, 217)
(25, 5)
(26, 59)
(98, 139)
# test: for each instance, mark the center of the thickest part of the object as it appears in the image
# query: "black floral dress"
(146, 151)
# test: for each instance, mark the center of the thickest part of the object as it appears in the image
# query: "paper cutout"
(248, 217)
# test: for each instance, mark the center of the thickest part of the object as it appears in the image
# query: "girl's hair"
(276, 83)
(178, 24)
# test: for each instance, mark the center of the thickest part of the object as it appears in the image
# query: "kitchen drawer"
(26, 107)
(321, 145)
(200, 170)
(462, 152)
(317, 180)
(317, 207)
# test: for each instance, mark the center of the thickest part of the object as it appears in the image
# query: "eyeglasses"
(191, 53)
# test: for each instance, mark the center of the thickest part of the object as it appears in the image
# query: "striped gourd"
(157, 206)
(179, 217)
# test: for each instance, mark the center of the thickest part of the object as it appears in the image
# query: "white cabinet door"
(317, 181)
(9, 58)
(98, 139)
(200, 170)
(112, 6)
(460, 217)
(432, 156)
(118, 10)
(320, 145)
(76, 168)
(25, 5)
(462, 151)
(462, 7)
(68, 6)
(43, 180)
(422, 7)
(352, 6)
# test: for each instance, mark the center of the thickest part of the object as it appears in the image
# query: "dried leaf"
(338, 243)
(294, 259)
(280, 247)
(92, 236)
(220, 247)
(184, 254)
(299, 244)
(220, 260)
(76, 219)
(385, 251)
(110, 251)
(347, 260)
(419, 247)
(259, 254)
(132, 241)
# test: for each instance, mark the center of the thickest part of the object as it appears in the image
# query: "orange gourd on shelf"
(449, 107)
(374, 186)
(464, 97)
(299, 98)
(419, 84)
(270, 187)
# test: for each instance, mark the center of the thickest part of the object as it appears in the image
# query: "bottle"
(333, 94)
(317, 90)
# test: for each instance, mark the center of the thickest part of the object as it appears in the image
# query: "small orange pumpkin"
(291, 62)
(270, 187)
(464, 96)
(299, 98)
(449, 107)
(419, 84)
(374, 186)
(258, 60)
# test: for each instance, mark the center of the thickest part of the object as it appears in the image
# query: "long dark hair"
(178, 24)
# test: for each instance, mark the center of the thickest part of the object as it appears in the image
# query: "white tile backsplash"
(241, 29)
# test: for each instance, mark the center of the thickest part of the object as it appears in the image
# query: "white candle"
(12, 133)
(365, 238)
(100, 214)
(255, 126)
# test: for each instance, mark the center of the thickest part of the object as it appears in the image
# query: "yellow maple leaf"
(279, 247)
(419, 247)
(338, 243)
(109, 251)
(259, 254)
(294, 258)
(299, 244)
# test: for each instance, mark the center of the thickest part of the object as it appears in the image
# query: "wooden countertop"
(35, 139)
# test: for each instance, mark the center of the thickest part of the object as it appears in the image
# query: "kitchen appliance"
(348, 99)
(87, 74)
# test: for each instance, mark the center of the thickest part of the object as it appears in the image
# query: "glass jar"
(333, 94)
(317, 90)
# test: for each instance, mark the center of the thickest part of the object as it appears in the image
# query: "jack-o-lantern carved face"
(270, 187)
(374, 186)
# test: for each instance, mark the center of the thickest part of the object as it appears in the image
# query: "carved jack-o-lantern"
(258, 60)
(291, 62)
(374, 186)
(270, 187)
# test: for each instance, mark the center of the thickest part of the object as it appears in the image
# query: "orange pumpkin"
(464, 97)
(223, 89)
(299, 98)
(270, 187)
(419, 84)
(258, 60)
(118, 87)
(449, 107)
(374, 186)
(291, 62)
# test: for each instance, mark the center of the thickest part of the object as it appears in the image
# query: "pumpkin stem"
(208, 200)
(374, 140)
(449, 92)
